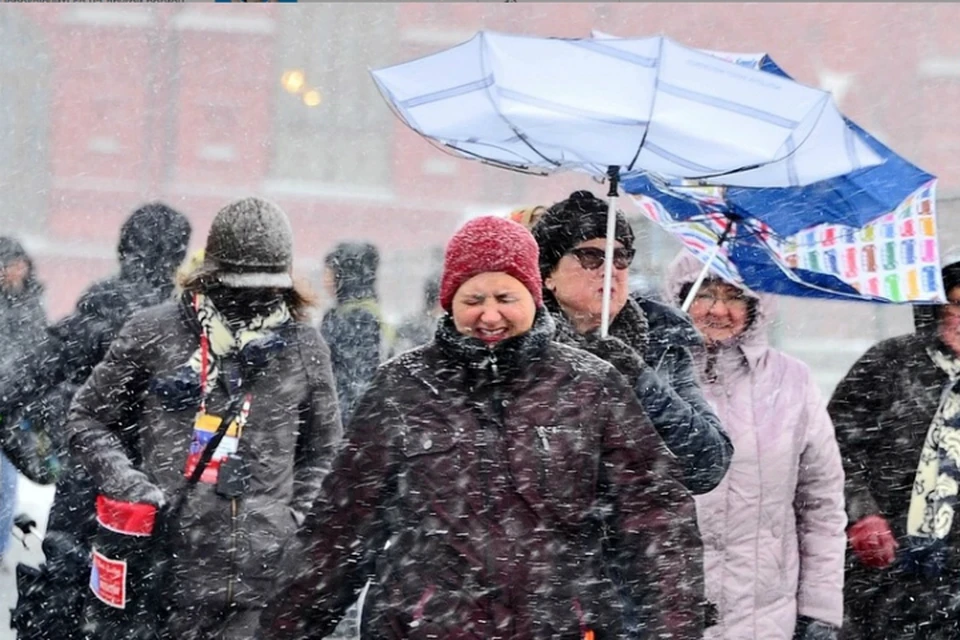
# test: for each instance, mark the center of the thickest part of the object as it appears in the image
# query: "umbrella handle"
(614, 173)
(706, 268)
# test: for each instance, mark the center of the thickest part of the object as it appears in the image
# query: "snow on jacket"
(883, 409)
(224, 552)
(668, 390)
(499, 478)
(353, 329)
(773, 530)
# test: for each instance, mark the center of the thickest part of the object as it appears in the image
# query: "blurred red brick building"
(105, 106)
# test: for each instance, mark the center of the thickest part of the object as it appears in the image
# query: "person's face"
(577, 282)
(950, 318)
(720, 311)
(13, 275)
(493, 307)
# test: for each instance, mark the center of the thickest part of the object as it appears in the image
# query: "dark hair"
(579, 218)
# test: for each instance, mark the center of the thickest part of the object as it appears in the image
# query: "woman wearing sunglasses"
(649, 342)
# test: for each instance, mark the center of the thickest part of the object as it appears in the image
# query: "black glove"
(616, 352)
(810, 629)
(924, 557)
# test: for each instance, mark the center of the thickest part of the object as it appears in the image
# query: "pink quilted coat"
(773, 530)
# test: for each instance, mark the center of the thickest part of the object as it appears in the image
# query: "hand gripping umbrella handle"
(706, 267)
(614, 173)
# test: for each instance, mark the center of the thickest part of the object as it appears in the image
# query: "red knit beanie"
(486, 245)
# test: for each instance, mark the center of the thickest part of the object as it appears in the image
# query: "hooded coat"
(352, 328)
(773, 530)
(23, 320)
(418, 329)
(124, 426)
(883, 409)
(42, 381)
(488, 486)
(23, 323)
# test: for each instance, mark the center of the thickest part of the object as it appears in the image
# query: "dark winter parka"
(153, 241)
(22, 318)
(667, 387)
(352, 328)
(226, 551)
(490, 484)
(41, 384)
(882, 410)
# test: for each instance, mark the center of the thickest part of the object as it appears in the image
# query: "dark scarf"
(630, 325)
(504, 361)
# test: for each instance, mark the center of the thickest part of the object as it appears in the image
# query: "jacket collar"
(507, 359)
(630, 325)
(668, 325)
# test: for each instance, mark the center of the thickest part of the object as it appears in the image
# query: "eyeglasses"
(592, 258)
(706, 296)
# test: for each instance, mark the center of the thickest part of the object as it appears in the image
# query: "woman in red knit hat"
(489, 475)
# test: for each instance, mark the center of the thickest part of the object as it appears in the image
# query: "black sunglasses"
(592, 257)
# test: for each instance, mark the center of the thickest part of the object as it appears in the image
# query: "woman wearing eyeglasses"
(649, 342)
(773, 531)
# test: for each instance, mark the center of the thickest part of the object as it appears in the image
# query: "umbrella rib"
(548, 105)
(663, 153)
(451, 92)
(500, 164)
(493, 105)
(521, 159)
(604, 50)
(653, 105)
(727, 105)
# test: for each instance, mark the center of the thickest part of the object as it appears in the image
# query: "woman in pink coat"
(773, 530)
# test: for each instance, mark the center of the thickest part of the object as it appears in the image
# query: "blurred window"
(24, 97)
(332, 126)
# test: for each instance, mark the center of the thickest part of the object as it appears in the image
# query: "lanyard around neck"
(204, 357)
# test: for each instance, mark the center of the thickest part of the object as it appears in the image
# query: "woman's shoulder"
(161, 318)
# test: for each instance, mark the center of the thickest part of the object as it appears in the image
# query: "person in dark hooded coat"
(153, 242)
(897, 418)
(418, 329)
(23, 323)
(353, 328)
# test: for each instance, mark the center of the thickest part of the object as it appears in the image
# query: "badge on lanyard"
(204, 426)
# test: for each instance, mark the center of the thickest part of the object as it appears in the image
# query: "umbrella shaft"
(608, 266)
(706, 268)
(613, 174)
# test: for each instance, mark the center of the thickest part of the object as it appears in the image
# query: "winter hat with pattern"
(250, 244)
(488, 245)
(579, 218)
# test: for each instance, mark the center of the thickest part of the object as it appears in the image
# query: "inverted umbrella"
(869, 234)
(645, 106)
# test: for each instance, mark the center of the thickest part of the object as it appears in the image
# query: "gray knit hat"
(250, 245)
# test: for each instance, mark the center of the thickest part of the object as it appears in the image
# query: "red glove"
(872, 541)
